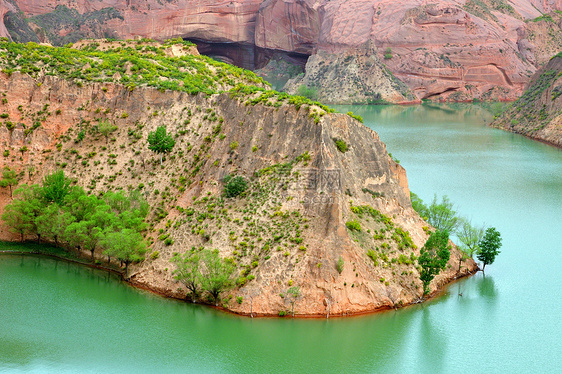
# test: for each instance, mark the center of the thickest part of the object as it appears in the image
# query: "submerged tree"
(160, 142)
(470, 237)
(433, 257)
(489, 247)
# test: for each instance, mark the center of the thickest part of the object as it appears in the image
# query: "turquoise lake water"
(59, 317)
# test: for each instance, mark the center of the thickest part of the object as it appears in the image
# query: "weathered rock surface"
(308, 200)
(538, 113)
(354, 76)
(449, 50)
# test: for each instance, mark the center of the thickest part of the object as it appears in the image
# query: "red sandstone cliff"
(452, 49)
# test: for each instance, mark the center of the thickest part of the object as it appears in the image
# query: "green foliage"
(470, 237)
(373, 256)
(105, 128)
(188, 271)
(294, 294)
(216, 274)
(353, 225)
(55, 211)
(9, 178)
(308, 92)
(355, 116)
(145, 66)
(21, 214)
(55, 187)
(339, 265)
(489, 246)
(440, 215)
(160, 142)
(433, 257)
(234, 186)
(341, 145)
(388, 54)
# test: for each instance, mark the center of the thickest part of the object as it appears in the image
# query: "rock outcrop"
(354, 76)
(290, 229)
(538, 113)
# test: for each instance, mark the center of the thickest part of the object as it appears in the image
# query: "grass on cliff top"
(131, 63)
(135, 63)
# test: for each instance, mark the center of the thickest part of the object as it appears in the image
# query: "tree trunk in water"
(108, 259)
(38, 238)
(483, 267)
(22, 237)
(160, 159)
(252, 308)
(56, 241)
(460, 264)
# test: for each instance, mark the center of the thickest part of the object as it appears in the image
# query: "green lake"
(57, 317)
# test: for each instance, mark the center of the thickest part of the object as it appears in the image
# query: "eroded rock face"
(356, 76)
(314, 199)
(538, 113)
(448, 50)
(217, 21)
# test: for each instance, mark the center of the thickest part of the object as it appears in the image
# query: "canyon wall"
(455, 50)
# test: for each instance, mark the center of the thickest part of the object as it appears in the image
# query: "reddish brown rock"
(538, 113)
(448, 50)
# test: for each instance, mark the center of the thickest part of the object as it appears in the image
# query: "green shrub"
(353, 225)
(341, 145)
(355, 116)
(239, 299)
(373, 256)
(234, 185)
(339, 265)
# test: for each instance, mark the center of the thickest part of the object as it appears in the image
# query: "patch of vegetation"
(341, 145)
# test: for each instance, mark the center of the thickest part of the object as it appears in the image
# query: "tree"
(489, 247)
(21, 214)
(106, 128)
(470, 236)
(440, 215)
(53, 221)
(216, 274)
(126, 245)
(88, 232)
(433, 257)
(188, 271)
(9, 179)
(160, 142)
(234, 186)
(294, 294)
(55, 187)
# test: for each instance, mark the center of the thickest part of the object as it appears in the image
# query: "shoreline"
(130, 282)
